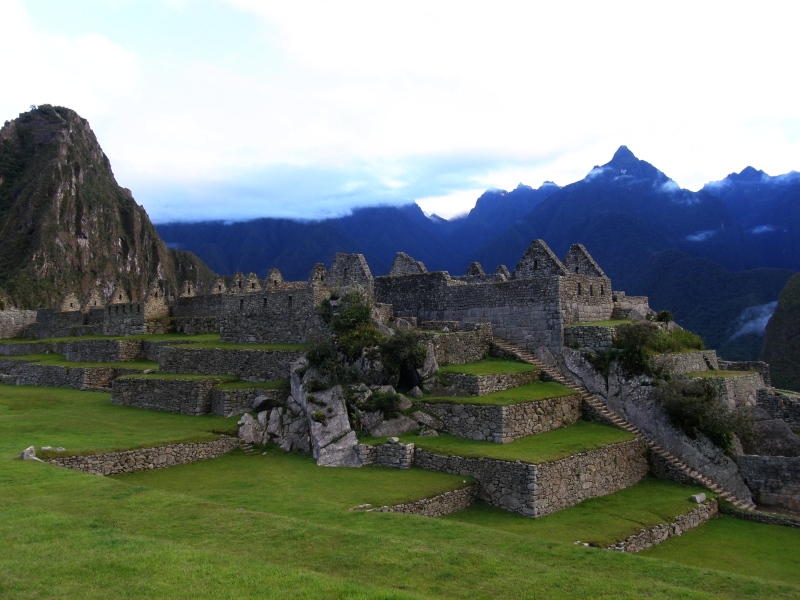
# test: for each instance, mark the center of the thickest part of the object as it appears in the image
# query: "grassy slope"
(719, 374)
(278, 384)
(232, 346)
(69, 535)
(489, 366)
(529, 392)
(552, 445)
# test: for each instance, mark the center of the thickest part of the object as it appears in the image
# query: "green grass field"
(57, 360)
(217, 345)
(530, 392)
(490, 366)
(544, 447)
(277, 526)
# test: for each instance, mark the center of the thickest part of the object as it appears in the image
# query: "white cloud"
(754, 319)
(700, 236)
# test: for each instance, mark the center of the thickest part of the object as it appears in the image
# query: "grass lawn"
(181, 376)
(490, 366)
(719, 374)
(598, 521)
(87, 421)
(279, 384)
(544, 447)
(204, 531)
(737, 546)
(529, 392)
(608, 323)
(231, 346)
(57, 360)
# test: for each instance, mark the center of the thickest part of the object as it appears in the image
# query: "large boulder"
(29, 454)
(251, 431)
(397, 426)
(773, 437)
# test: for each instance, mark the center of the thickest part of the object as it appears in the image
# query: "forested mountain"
(782, 344)
(65, 224)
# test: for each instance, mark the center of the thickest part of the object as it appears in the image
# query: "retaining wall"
(196, 325)
(759, 517)
(503, 424)
(589, 338)
(740, 390)
(480, 385)
(536, 490)
(13, 322)
(747, 365)
(79, 378)
(460, 347)
(660, 533)
(774, 480)
(681, 363)
(185, 396)
(239, 401)
(102, 350)
(437, 506)
(252, 365)
(114, 463)
(780, 406)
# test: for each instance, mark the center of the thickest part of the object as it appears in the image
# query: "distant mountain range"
(717, 258)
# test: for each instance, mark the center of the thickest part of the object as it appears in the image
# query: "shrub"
(319, 417)
(676, 340)
(354, 341)
(695, 407)
(633, 340)
(664, 316)
(354, 312)
(402, 351)
(386, 402)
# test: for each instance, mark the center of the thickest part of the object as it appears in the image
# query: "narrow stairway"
(601, 407)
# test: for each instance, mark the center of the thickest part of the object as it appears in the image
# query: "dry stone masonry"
(437, 506)
(251, 365)
(185, 396)
(660, 533)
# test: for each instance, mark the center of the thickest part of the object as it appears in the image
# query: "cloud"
(763, 229)
(700, 236)
(754, 319)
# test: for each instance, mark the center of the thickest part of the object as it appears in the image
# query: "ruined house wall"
(277, 316)
(14, 322)
(199, 306)
(124, 319)
(585, 298)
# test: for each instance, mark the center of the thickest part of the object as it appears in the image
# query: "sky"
(237, 109)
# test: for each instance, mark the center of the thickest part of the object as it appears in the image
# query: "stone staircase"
(601, 407)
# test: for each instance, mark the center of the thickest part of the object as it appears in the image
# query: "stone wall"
(660, 533)
(13, 322)
(663, 469)
(185, 396)
(460, 347)
(124, 319)
(681, 363)
(114, 463)
(252, 365)
(588, 338)
(102, 350)
(740, 390)
(437, 506)
(759, 517)
(394, 455)
(774, 480)
(52, 324)
(239, 401)
(748, 365)
(79, 378)
(196, 325)
(503, 424)
(536, 490)
(779, 406)
(26, 348)
(566, 482)
(199, 306)
(585, 298)
(480, 385)
(275, 316)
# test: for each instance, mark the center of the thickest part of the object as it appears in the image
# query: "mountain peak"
(624, 162)
(748, 174)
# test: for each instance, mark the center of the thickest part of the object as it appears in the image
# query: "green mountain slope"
(65, 223)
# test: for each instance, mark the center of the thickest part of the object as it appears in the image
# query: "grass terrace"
(57, 360)
(181, 377)
(598, 521)
(530, 392)
(87, 422)
(151, 337)
(582, 436)
(490, 366)
(608, 323)
(217, 345)
(279, 384)
(719, 374)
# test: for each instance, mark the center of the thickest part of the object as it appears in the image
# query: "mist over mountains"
(717, 258)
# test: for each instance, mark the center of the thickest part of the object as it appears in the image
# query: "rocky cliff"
(782, 342)
(65, 223)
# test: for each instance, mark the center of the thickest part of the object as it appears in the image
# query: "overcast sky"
(243, 108)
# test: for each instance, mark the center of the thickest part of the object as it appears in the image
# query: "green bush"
(676, 340)
(664, 316)
(695, 406)
(402, 351)
(386, 402)
(352, 342)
